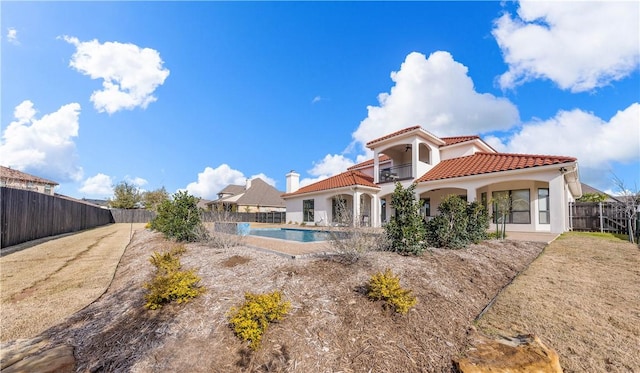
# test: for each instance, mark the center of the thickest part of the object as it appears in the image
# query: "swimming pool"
(298, 235)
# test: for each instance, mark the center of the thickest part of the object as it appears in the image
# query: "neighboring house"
(203, 204)
(588, 189)
(20, 180)
(539, 186)
(255, 196)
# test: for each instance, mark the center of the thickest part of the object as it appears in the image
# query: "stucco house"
(21, 180)
(539, 187)
(255, 196)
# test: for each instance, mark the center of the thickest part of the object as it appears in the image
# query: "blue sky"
(200, 95)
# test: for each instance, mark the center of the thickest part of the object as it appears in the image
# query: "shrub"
(458, 224)
(170, 282)
(179, 218)
(386, 287)
(406, 231)
(249, 322)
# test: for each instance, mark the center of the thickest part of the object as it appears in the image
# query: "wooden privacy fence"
(275, 217)
(26, 215)
(132, 215)
(607, 217)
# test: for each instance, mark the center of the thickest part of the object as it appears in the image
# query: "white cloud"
(130, 74)
(329, 166)
(578, 45)
(43, 146)
(99, 185)
(137, 181)
(264, 178)
(595, 142)
(317, 99)
(437, 94)
(211, 181)
(12, 36)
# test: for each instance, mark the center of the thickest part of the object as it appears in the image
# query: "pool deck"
(298, 250)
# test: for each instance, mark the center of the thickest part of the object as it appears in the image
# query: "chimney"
(248, 184)
(293, 181)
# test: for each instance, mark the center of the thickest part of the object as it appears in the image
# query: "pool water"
(298, 235)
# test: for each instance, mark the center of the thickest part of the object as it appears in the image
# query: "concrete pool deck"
(296, 250)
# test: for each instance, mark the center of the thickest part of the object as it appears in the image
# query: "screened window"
(307, 210)
(513, 205)
(543, 206)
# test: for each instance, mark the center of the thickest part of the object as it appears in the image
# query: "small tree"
(630, 204)
(180, 218)
(501, 203)
(151, 200)
(592, 197)
(406, 229)
(125, 196)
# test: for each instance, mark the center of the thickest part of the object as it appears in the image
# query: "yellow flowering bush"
(250, 321)
(385, 286)
(170, 282)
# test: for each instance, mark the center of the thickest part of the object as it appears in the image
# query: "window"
(425, 209)
(543, 206)
(515, 204)
(383, 210)
(307, 210)
(47, 189)
(483, 199)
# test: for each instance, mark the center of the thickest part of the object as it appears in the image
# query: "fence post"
(601, 218)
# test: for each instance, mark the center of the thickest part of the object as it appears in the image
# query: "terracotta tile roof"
(394, 134)
(10, 173)
(483, 163)
(458, 139)
(381, 158)
(345, 179)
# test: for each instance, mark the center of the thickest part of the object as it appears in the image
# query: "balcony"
(395, 173)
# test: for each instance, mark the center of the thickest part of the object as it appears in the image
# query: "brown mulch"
(331, 325)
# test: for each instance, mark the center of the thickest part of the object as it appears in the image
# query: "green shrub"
(406, 231)
(458, 223)
(170, 282)
(179, 218)
(385, 286)
(249, 322)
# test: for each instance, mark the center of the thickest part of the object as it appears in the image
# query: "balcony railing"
(395, 173)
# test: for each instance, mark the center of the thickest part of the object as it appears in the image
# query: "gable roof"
(416, 130)
(232, 189)
(484, 163)
(345, 179)
(11, 174)
(261, 193)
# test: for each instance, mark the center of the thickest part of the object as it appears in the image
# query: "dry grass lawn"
(582, 297)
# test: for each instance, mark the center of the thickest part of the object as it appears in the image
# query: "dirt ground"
(332, 326)
(582, 297)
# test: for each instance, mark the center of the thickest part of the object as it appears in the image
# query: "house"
(255, 196)
(589, 190)
(539, 187)
(21, 180)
